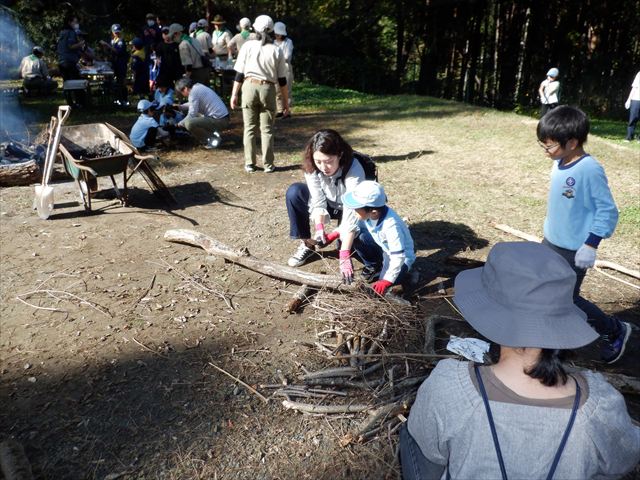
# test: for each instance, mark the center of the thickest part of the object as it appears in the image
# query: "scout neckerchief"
(245, 34)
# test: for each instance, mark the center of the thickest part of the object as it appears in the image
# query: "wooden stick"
(599, 263)
(144, 293)
(243, 258)
(597, 269)
(248, 387)
(623, 382)
(147, 348)
(301, 296)
(333, 372)
(325, 409)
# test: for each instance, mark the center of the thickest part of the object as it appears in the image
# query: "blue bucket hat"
(523, 297)
(366, 194)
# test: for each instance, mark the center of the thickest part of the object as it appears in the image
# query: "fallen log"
(244, 258)
(27, 173)
(599, 263)
(624, 383)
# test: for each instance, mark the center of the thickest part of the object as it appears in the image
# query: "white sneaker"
(300, 256)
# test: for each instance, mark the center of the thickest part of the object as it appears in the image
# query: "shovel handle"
(63, 113)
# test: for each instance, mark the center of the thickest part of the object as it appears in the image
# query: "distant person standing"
(239, 39)
(260, 65)
(220, 37)
(119, 62)
(151, 35)
(35, 74)
(69, 48)
(168, 60)
(633, 105)
(191, 55)
(284, 43)
(549, 91)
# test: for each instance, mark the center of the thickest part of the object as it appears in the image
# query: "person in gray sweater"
(528, 415)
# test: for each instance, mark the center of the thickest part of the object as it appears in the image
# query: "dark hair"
(264, 38)
(328, 142)
(69, 17)
(549, 368)
(562, 124)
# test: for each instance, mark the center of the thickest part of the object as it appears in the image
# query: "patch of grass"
(630, 216)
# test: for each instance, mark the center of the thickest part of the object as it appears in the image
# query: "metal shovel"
(44, 193)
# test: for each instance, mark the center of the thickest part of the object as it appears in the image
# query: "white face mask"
(75, 26)
(151, 23)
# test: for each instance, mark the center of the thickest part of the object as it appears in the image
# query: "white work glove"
(585, 257)
(627, 104)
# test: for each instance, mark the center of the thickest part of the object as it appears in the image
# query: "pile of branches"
(375, 363)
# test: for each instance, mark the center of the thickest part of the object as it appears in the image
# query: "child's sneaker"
(300, 256)
(370, 273)
(249, 168)
(613, 345)
(269, 169)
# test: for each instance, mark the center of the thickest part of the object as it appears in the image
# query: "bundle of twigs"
(376, 363)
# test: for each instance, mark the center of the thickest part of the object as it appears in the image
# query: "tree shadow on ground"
(130, 414)
(443, 239)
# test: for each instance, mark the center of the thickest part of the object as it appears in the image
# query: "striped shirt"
(205, 102)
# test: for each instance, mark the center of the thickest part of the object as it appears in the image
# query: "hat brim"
(218, 23)
(519, 328)
(348, 200)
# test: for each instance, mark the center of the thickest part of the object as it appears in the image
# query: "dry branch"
(599, 263)
(324, 409)
(248, 387)
(624, 383)
(245, 259)
(302, 295)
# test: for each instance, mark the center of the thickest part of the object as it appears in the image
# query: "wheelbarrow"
(78, 138)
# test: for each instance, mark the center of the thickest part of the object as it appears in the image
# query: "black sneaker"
(370, 273)
(613, 345)
(301, 255)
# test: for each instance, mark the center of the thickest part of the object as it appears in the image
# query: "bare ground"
(116, 384)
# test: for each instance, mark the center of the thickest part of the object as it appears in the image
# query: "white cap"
(245, 23)
(202, 22)
(280, 29)
(366, 194)
(263, 24)
(553, 72)
(192, 27)
(144, 105)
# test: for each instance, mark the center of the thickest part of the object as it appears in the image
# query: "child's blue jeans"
(601, 322)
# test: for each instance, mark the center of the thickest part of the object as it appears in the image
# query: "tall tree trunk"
(522, 57)
(400, 32)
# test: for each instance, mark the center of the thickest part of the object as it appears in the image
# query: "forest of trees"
(488, 52)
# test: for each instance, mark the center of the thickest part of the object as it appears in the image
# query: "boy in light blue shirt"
(146, 130)
(580, 213)
(387, 230)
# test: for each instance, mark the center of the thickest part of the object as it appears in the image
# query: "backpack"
(368, 165)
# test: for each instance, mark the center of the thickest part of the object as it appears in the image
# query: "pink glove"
(381, 286)
(319, 236)
(346, 267)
